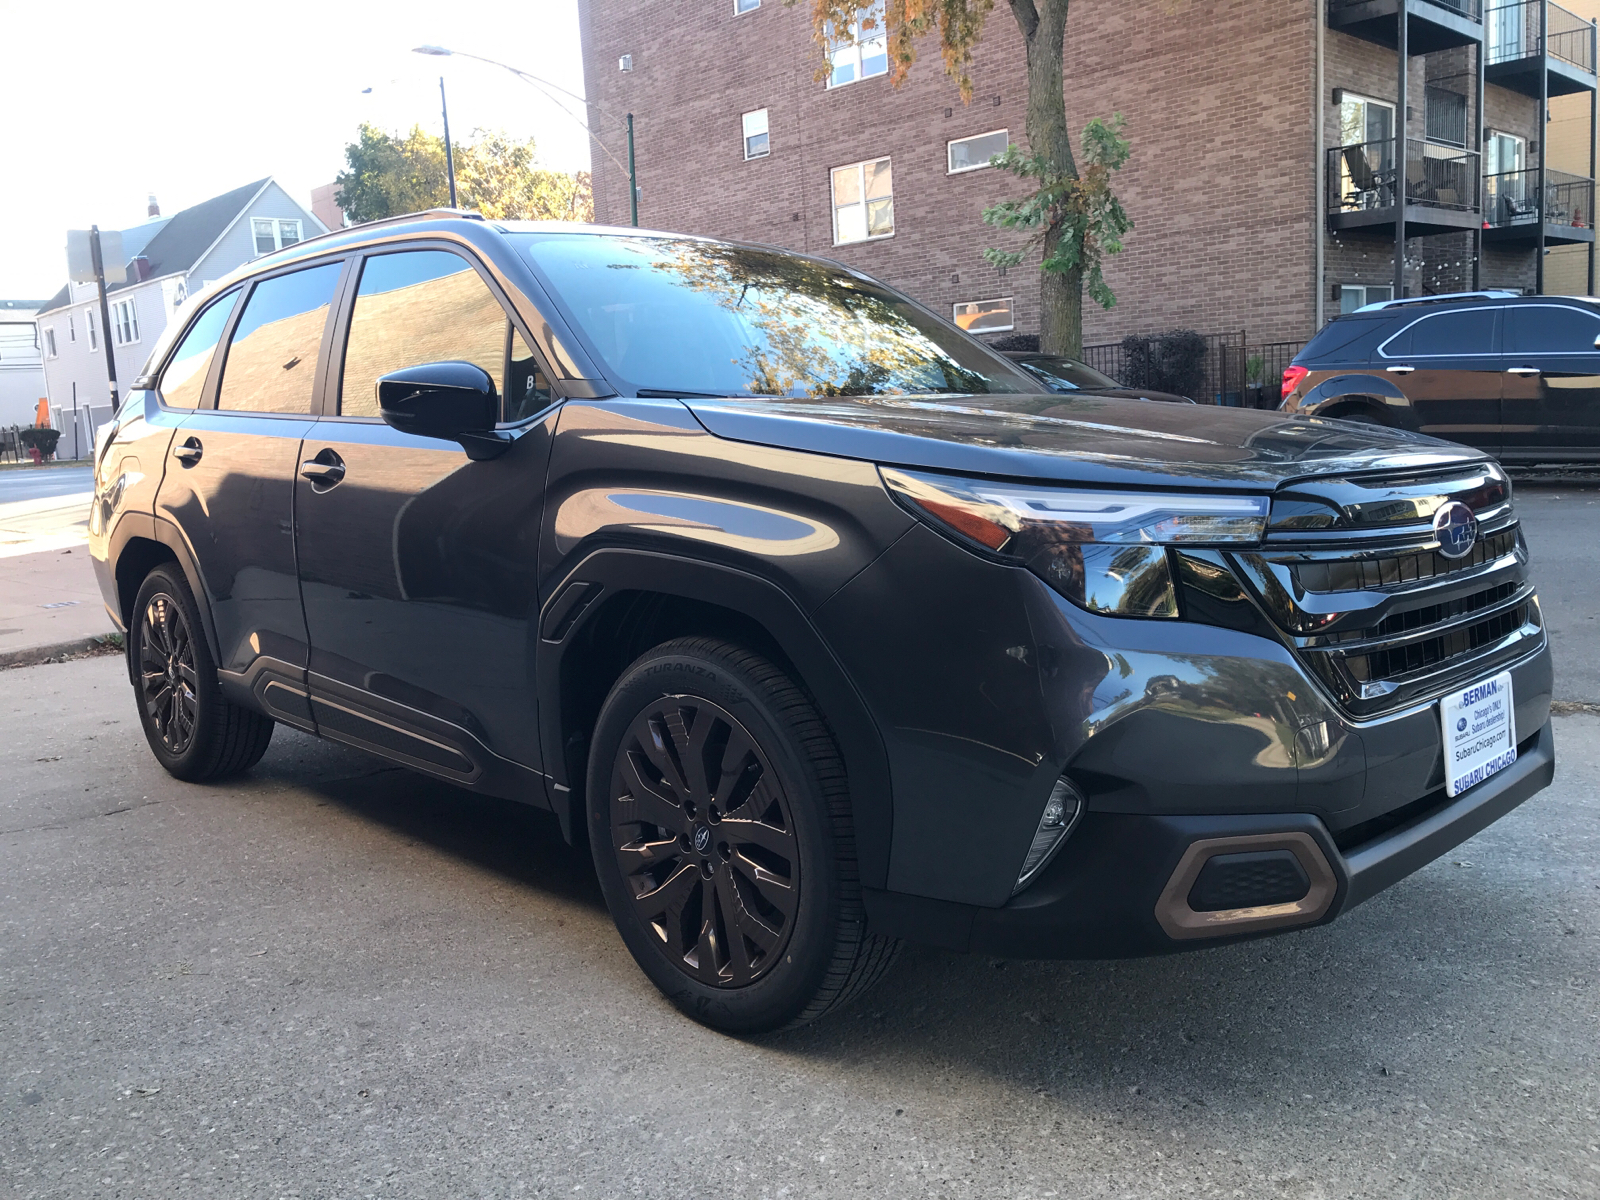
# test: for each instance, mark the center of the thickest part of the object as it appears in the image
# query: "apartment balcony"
(1518, 35)
(1439, 193)
(1432, 24)
(1512, 213)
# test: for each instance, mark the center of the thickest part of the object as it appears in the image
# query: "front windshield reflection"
(682, 316)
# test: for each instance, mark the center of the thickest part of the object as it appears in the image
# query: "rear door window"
(1550, 329)
(425, 306)
(184, 378)
(272, 357)
(1473, 331)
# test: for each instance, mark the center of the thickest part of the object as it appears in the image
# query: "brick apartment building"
(1262, 182)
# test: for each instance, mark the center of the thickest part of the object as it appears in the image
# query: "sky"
(108, 103)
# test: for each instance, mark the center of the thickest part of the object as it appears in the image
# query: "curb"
(32, 656)
(1566, 708)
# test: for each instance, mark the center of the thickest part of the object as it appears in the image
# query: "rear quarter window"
(1345, 339)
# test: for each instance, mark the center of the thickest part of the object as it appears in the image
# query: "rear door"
(417, 565)
(1448, 366)
(229, 483)
(1552, 382)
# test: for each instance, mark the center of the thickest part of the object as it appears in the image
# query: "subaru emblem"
(702, 839)
(1456, 528)
(1461, 724)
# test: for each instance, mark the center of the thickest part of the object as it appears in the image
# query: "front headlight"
(1104, 551)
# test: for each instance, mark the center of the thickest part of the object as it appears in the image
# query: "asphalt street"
(336, 979)
(42, 483)
(1562, 526)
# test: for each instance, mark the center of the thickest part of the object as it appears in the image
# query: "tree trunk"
(1044, 25)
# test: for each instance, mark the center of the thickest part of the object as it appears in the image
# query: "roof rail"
(1488, 294)
(463, 214)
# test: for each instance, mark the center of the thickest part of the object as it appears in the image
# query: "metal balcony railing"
(1511, 198)
(1363, 177)
(1471, 9)
(1513, 31)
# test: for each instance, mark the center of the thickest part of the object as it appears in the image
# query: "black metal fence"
(1471, 9)
(1511, 198)
(1232, 372)
(1363, 176)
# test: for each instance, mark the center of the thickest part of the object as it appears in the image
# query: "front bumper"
(1101, 896)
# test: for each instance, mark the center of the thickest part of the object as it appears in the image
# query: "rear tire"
(719, 819)
(193, 730)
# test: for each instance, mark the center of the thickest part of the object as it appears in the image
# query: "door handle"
(1522, 370)
(1399, 370)
(324, 471)
(189, 453)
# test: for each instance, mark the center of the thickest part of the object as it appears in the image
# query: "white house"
(21, 362)
(169, 259)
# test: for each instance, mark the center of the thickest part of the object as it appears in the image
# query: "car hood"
(1085, 438)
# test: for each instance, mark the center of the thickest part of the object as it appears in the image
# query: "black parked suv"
(805, 610)
(1517, 376)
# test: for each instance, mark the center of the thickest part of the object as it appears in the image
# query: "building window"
(974, 153)
(275, 235)
(72, 329)
(756, 144)
(985, 316)
(863, 202)
(1446, 116)
(50, 343)
(862, 52)
(744, 6)
(1353, 295)
(88, 319)
(125, 322)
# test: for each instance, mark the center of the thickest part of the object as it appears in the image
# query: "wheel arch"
(630, 600)
(141, 547)
(1374, 395)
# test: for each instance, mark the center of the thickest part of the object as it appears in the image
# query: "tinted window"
(679, 315)
(527, 390)
(185, 376)
(1550, 329)
(1453, 333)
(272, 357)
(415, 307)
(1347, 339)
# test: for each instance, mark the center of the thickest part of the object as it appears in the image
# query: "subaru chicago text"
(807, 612)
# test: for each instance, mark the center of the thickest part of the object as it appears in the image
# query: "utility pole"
(105, 311)
(449, 157)
(633, 178)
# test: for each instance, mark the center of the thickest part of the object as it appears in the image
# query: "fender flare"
(1376, 391)
(146, 527)
(617, 570)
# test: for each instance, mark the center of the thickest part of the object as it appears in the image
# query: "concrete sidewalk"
(50, 605)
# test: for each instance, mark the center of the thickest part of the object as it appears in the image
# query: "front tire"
(719, 820)
(193, 730)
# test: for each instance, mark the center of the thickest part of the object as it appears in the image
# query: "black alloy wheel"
(167, 677)
(195, 732)
(721, 826)
(704, 839)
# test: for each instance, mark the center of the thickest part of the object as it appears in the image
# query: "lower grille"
(1419, 656)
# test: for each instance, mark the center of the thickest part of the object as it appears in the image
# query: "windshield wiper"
(677, 394)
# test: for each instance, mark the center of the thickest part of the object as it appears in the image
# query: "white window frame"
(1365, 289)
(849, 47)
(88, 319)
(125, 322)
(861, 178)
(740, 7)
(1011, 306)
(983, 166)
(50, 341)
(277, 224)
(765, 130)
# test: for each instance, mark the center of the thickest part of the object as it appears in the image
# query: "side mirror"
(453, 401)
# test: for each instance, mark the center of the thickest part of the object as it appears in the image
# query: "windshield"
(679, 317)
(1069, 372)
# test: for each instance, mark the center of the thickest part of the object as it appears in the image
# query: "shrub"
(1020, 343)
(45, 439)
(1174, 361)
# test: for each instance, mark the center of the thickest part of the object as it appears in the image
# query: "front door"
(229, 484)
(418, 565)
(1552, 382)
(1448, 366)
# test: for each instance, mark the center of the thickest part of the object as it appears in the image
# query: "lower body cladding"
(1224, 797)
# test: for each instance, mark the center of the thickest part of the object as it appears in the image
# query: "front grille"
(1380, 615)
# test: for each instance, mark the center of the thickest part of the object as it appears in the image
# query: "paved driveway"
(333, 979)
(1562, 525)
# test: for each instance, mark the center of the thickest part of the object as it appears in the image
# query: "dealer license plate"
(1480, 732)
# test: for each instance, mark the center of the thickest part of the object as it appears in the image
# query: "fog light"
(1061, 813)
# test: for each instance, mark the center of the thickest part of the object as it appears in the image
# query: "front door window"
(1366, 163)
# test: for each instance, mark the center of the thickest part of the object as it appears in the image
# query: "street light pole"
(105, 311)
(449, 157)
(633, 178)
